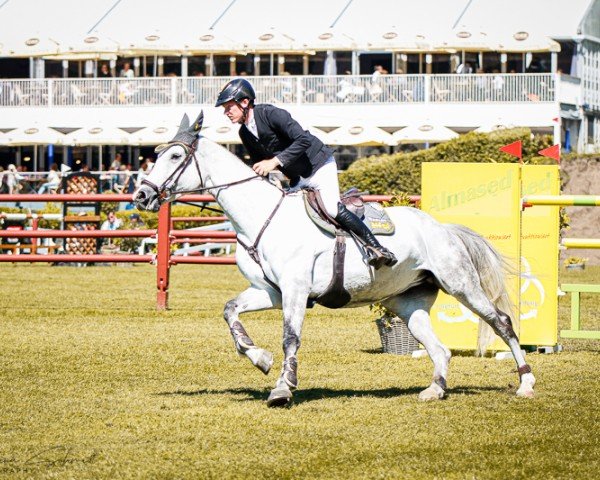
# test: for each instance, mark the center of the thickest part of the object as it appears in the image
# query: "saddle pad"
(375, 218)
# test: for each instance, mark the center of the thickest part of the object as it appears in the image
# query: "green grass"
(95, 383)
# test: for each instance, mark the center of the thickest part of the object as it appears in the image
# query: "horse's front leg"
(250, 300)
(294, 309)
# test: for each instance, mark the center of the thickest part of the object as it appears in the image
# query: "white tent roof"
(154, 135)
(425, 133)
(61, 28)
(223, 134)
(34, 135)
(97, 135)
(359, 135)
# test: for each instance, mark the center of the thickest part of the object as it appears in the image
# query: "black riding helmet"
(237, 89)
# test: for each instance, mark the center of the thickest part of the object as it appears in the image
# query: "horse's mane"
(219, 153)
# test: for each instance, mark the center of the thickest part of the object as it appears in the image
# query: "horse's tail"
(493, 269)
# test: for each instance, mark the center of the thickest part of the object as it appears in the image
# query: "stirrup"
(379, 257)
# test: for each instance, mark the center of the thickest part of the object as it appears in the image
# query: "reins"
(164, 192)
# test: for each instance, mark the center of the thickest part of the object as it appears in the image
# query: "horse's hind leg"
(413, 307)
(475, 299)
(250, 300)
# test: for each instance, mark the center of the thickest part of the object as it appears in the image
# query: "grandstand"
(355, 72)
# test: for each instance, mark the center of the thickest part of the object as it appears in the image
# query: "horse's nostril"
(141, 195)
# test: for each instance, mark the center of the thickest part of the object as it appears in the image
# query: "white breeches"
(325, 179)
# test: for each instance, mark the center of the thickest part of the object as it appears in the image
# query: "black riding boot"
(378, 255)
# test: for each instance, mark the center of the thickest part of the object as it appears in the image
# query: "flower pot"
(395, 336)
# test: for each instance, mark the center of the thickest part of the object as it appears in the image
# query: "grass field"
(95, 383)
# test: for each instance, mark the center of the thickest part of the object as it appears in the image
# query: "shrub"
(402, 171)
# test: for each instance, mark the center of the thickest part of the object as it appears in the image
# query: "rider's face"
(234, 111)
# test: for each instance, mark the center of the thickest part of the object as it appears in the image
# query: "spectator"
(132, 244)
(52, 180)
(144, 170)
(104, 71)
(378, 72)
(111, 222)
(126, 71)
(12, 178)
(464, 68)
(498, 85)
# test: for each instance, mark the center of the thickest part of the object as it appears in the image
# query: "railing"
(304, 90)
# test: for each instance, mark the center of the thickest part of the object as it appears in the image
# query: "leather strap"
(335, 295)
(523, 370)
(252, 249)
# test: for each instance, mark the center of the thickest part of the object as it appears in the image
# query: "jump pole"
(163, 257)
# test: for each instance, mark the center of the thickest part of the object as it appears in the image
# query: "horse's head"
(176, 169)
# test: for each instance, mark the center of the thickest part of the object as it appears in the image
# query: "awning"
(97, 135)
(153, 135)
(425, 133)
(223, 134)
(359, 135)
(492, 127)
(34, 135)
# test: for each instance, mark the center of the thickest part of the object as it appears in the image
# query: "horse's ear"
(185, 123)
(195, 128)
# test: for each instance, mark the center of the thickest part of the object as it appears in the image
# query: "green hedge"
(401, 172)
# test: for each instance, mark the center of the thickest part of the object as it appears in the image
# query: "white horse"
(293, 260)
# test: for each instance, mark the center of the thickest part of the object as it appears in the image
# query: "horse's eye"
(176, 156)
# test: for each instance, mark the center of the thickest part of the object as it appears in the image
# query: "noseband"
(164, 191)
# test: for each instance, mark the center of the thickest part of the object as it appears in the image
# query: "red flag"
(514, 149)
(556, 119)
(551, 152)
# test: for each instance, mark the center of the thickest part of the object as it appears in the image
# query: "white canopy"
(63, 28)
(223, 134)
(34, 135)
(425, 133)
(154, 135)
(359, 135)
(97, 135)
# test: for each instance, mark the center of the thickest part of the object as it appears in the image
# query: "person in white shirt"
(126, 71)
(111, 223)
(52, 180)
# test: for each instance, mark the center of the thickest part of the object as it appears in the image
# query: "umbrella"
(424, 134)
(35, 135)
(359, 135)
(487, 128)
(153, 135)
(223, 134)
(98, 135)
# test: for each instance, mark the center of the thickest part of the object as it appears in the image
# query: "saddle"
(372, 214)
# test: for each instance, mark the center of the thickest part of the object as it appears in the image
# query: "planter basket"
(395, 336)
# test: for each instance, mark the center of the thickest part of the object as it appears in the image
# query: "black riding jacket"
(300, 152)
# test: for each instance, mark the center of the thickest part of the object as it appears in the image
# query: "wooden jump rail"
(575, 289)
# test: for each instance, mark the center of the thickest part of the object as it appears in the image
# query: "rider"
(275, 140)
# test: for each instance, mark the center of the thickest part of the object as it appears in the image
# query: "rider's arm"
(284, 125)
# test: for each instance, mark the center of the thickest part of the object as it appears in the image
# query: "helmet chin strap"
(245, 111)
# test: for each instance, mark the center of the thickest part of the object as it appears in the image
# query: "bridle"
(165, 191)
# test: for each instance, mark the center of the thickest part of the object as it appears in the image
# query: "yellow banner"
(485, 198)
(539, 258)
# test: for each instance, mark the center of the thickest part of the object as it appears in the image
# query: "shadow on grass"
(312, 394)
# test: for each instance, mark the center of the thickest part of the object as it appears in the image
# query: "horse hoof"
(280, 397)
(525, 393)
(430, 394)
(265, 362)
